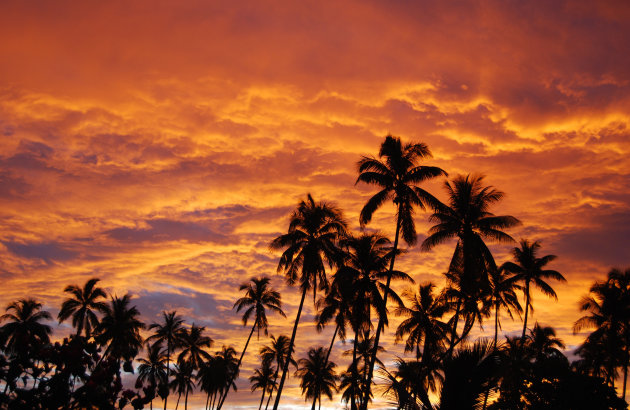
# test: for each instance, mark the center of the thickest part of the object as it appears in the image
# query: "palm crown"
(82, 305)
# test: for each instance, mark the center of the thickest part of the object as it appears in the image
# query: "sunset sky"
(160, 146)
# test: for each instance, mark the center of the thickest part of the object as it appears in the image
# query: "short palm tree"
(24, 329)
(168, 332)
(276, 353)
(193, 343)
(309, 245)
(120, 329)
(153, 369)
(397, 174)
(263, 379)
(225, 363)
(529, 269)
(258, 298)
(82, 306)
(317, 376)
(182, 381)
(468, 219)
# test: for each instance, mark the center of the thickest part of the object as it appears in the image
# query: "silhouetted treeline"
(350, 276)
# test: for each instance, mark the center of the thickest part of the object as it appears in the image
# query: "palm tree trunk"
(288, 359)
(355, 373)
(207, 400)
(262, 398)
(381, 322)
(496, 337)
(168, 368)
(275, 379)
(177, 404)
(526, 312)
(238, 366)
(186, 399)
(625, 377)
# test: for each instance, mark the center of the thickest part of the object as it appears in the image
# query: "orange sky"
(160, 146)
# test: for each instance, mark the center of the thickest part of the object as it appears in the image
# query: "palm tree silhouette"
(258, 297)
(423, 326)
(225, 363)
(263, 379)
(397, 174)
(182, 381)
(314, 229)
(608, 305)
(153, 368)
(503, 296)
(192, 344)
(543, 342)
(120, 329)
(24, 329)
(317, 376)
(528, 269)
(467, 218)
(82, 305)
(168, 332)
(278, 353)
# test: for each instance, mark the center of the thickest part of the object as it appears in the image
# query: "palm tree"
(24, 329)
(263, 379)
(278, 353)
(81, 306)
(182, 381)
(225, 363)
(314, 229)
(153, 368)
(168, 332)
(423, 326)
(397, 174)
(467, 218)
(317, 376)
(503, 296)
(528, 269)
(543, 342)
(608, 305)
(192, 344)
(258, 297)
(120, 329)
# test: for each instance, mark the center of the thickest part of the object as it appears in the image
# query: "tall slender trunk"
(238, 366)
(526, 312)
(275, 379)
(168, 368)
(381, 321)
(332, 342)
(262, 398)
(355, 373)
(214, 399)
(288, 359)
(496, 337)
(177, 404)
(186, 399)
(625, 376)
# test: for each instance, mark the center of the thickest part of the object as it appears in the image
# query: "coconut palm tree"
(468, 219)
(153, 368)
(263, 379)
(120, 329)
(277, 352)
(192, 344)
(423, 327)
(310, 243)
(182, 381)
(225, 363)
(503, 296)
(317, 376)
(529, 269)
(168, 332)
(608, 304)
(258, 298)
(543, 342)
(24, 329)
(397, 173)
(82, 306)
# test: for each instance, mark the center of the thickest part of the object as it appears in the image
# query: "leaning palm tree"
(317, 376)
(153, 368)
(310, 243)
(24, 329)
(263, 379)
(397, 174)
(120, 329)
(258, 298)
(276, 353)
(529, 269)
(168, 332)
(468, 219)
(82, 306)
